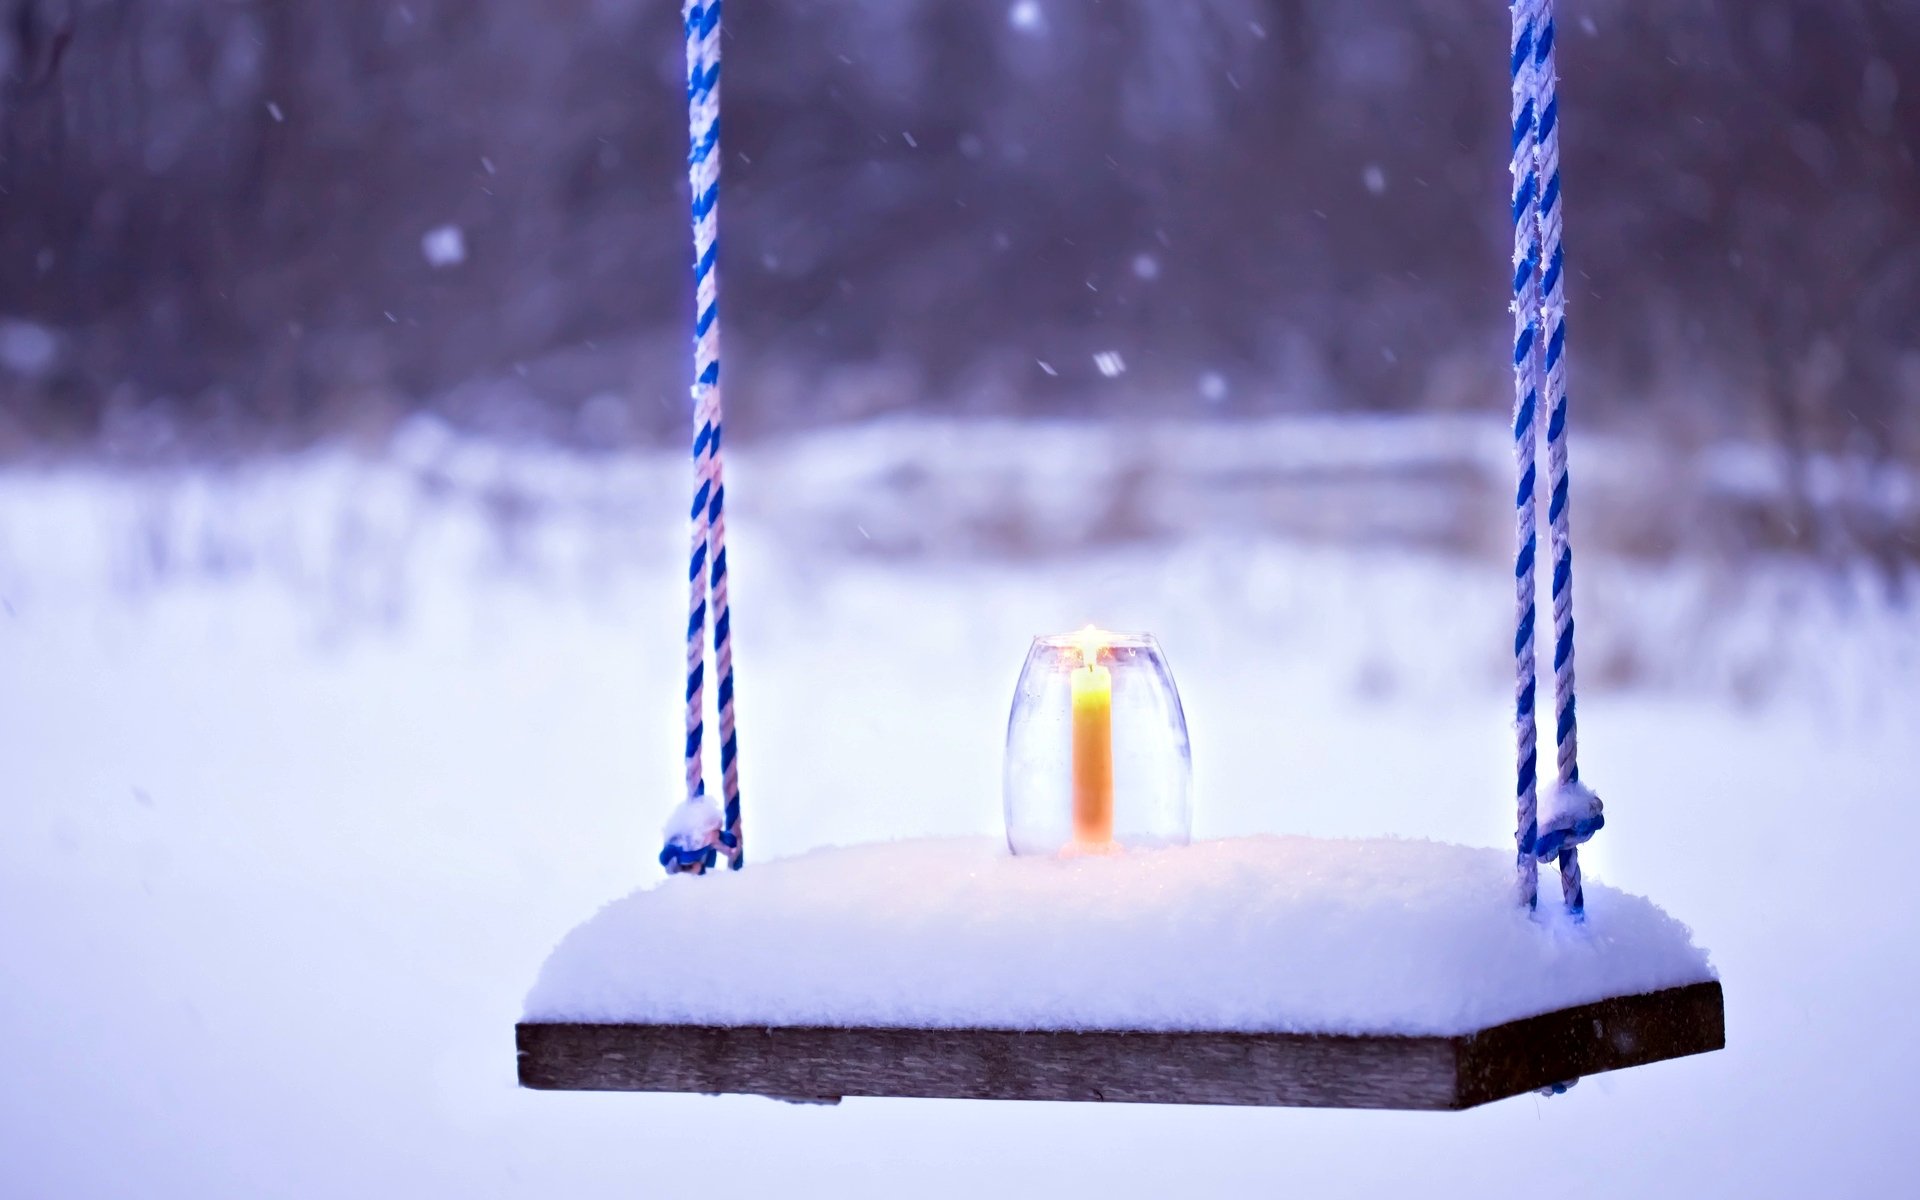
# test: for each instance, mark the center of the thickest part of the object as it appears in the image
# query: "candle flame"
(1090, 642)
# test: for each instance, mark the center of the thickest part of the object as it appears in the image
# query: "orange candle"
(1092, 747)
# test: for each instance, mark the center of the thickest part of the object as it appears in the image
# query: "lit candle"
(1092, 745)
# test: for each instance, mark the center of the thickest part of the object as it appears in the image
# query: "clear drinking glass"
(1097, 754)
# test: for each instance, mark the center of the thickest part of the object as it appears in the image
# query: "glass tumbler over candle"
(1097, 754)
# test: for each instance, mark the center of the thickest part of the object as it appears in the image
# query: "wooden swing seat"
(1268, 970)
(823, 1064)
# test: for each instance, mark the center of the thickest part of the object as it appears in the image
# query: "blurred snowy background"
(341, 392)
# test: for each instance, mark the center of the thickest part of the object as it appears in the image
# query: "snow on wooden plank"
(1253, 935)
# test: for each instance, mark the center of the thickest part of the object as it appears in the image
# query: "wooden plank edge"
(1590, 1039)
(824, 1063)
(827, 1063)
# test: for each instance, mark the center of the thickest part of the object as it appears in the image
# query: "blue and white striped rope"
(1546, 141)
(707, 560)
(1526, 403)
(1540, 378)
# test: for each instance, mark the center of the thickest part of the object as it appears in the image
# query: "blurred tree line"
(228, 224)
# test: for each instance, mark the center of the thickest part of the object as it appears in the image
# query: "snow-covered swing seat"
(1268, 970)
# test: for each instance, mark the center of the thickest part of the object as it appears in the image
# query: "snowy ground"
(307, 768)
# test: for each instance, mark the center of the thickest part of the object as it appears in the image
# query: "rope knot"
(1569, 815)
(694, 837)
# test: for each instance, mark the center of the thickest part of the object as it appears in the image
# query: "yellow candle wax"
(1092, 751)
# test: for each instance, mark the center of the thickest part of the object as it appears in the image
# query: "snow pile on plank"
(1286, 934)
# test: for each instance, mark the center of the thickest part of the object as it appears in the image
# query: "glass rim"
(1108, 640)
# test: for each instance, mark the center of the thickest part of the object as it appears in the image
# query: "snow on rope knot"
(695, 836)
(1570, 815)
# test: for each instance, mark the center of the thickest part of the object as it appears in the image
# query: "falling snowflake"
(445, 246)
(1110, 364)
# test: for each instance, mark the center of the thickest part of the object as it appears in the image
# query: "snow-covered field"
(304, 768)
